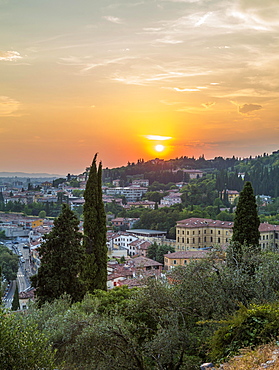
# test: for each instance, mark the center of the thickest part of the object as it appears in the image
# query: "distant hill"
(32, 175)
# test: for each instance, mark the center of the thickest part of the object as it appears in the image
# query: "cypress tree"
(246, 222)
(15, 302)
(246, 233)
(61, 256)
(94, 226)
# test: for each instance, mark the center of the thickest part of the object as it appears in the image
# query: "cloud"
(168, 40)
(247, 108)
(8, 106)
(208, 105)
(9, 55)
(182, 90)
(157, 137)
(112, 19)
(202, 20)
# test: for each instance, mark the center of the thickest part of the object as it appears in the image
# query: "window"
(187, 232)
(263, 237)
(211, 239)
(194, 232)
(178, 231)
(178, 239)
(183, 232)
(174, 262)
(219, 232)
(182, 240)
(187, 240)
(211, 231)
(266, 237)
(204, 239)
(193, 240)
(219, 240)
(204, 231)
(185, 262)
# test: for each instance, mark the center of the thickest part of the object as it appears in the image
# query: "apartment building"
(195, 233)
(202, 233)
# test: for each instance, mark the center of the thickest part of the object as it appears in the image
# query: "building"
(171, 199)
(142, 204)
(202, 233)
(182, 258)
(194, 233)
(269, 238)
(140, 182)
(131, 193)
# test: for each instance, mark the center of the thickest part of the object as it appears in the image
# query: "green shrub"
(248, 327)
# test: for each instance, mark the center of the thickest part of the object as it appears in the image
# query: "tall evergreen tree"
(246, 222)
(15, 302)
(94, 226)
(61, 256)
(246, 226)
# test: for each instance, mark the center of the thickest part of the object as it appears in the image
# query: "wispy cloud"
(158, 137)
(8, 106)
(183, 90)
(112, 19)
(10, 56)
(208, 105)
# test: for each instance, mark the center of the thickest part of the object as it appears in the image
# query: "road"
(22, 274)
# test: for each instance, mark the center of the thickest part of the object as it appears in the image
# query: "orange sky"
(80, 77)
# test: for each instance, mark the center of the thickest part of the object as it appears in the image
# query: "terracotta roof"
(144, 262)
(268, 227)
(187, 254)
(204, 222)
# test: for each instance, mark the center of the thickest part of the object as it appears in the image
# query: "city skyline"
(136, 79)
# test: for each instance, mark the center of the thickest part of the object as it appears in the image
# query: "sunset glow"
(159, 148)
(123, 78)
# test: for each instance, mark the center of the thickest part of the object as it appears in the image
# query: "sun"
(159, 148)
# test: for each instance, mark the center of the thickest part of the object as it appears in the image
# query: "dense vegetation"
(8, 263)
(205, 311)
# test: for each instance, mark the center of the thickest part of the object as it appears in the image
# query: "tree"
(15, 302)
(22, 345)
(42, 214)
(9, 263)
(95, 267)
(156, 252)
(246, 224)
(61, 256)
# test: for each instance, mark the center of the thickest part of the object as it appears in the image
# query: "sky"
(134, 79)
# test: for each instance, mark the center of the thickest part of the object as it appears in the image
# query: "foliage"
(42, 214)
(94, 273)
(22, 345)
(200, 192)
(9, 263)
(61, 258)
(248, 327)
(156, 252)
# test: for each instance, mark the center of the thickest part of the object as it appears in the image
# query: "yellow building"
(269, 236)
(195, 233)
(182, 258)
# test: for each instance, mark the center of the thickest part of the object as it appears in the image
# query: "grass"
(263, 357)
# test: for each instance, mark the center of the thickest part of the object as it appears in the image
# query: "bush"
(249, 327)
